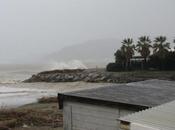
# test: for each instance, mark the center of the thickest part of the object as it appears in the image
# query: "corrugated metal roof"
(148, 93)
(161, 117)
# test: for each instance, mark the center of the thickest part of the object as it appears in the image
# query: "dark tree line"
(154, 54)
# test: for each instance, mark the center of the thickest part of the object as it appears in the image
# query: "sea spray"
(73, 64)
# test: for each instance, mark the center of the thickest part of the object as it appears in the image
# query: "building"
(137, 58)
(98, 109)
(157, 118)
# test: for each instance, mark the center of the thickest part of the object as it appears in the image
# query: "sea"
(15, 93)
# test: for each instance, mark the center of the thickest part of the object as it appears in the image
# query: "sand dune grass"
(33, 116)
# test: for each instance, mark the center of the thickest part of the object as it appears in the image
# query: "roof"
(147, 93)
(161, 117)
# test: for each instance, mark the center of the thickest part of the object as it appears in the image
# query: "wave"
(13, 76)
(74, 64)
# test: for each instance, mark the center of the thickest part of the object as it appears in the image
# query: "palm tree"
(160, 48)
(143, 47)
(128, 50)
(174, 46)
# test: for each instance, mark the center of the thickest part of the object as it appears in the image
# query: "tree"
(128, 50)
(143, 47)
(160, 48)
(120, 57)
(174, 46)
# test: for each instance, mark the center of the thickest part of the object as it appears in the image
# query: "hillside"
(92, 53)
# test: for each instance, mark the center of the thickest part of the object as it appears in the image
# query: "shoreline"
(40, 113)
(25, 93)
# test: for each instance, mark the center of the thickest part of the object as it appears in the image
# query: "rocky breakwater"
(98, 75)
(87, 75)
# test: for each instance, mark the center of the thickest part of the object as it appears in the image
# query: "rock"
(102, 78)
(109, 80)
(94, 76)
(4, 125)
(25, 126)
(89, 75)
(86, 79)
(69, 77)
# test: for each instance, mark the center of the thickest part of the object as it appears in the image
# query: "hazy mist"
(32, 29)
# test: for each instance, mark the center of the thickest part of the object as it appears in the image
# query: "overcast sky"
(30, 29)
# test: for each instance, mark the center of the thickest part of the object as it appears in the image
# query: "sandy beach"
(22, 98)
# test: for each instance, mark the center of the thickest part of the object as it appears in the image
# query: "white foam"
(74, 64)
(17, 96)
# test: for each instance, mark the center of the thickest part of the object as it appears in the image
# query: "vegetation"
(153, 54)
(143, 47)
(48, 100)
(42, 115)
(125, 53)
(128, 51)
